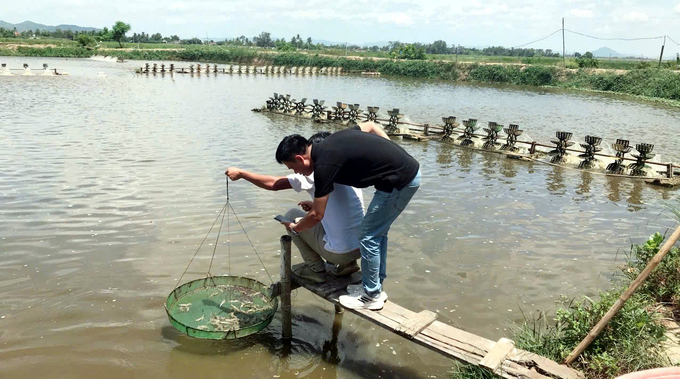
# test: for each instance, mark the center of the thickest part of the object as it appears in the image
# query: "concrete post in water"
(314, 70)
(172, 68)
(669, 170)
(155, 68)
(191, 68)
(426, 129)
(146, 68)
(286, 316)
(532, 149)
(163, 68)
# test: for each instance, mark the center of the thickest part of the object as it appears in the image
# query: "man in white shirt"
(335, 239)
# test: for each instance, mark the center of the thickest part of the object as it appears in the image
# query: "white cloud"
(581, 13)
(636, 16)
(677, 8)
(398, 18)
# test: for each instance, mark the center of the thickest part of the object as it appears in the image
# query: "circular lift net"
(221, 307)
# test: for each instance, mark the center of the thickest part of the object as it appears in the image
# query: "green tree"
(408, 52)
(437, 47)
(119, 30)
(263, 40)
(586, 60)
(282, 45)
(85, 40)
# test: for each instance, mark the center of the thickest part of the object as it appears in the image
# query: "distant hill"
(29, 25)
(605, 52)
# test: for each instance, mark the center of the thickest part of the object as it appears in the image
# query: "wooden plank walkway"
(501, 357)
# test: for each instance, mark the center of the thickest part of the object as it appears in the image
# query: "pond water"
(109, 182)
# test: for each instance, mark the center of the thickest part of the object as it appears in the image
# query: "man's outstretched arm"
(268, 182)
(312, 218)
(373, 128)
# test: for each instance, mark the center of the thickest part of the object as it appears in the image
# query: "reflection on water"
(109, 183)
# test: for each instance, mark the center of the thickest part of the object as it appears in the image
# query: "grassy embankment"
(639, 79)
(631, 341)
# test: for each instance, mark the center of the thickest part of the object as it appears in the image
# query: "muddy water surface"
(109, 182)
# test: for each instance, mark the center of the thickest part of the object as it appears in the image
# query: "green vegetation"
(586, 60)
(85, 40)
(640, 78)
(531, 75)
(651, 82)
(408, 52)
(663, 284)
(632, 339)
(118, 32)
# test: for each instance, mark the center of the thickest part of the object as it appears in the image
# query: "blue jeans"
(381, 213)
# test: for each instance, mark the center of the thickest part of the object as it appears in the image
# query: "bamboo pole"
(286, 319)
(624, 297)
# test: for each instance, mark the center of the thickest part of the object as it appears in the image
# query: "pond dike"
(497, 138)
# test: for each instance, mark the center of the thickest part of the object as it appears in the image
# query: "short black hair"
(290, 146)
(318, 137)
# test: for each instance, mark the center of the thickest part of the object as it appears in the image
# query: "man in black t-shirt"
(360, 160)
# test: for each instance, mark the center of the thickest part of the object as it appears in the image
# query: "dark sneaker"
(342, 270)
(305, 272)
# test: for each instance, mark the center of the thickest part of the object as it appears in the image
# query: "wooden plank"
(414, 325)
(286, 304)
(332, 285)
(543, 364)
(446, 339)
(495, 357)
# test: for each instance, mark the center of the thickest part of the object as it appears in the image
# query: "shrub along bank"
(655, 83)
(632, 339)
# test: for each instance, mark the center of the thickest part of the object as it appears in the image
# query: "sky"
(468, 23)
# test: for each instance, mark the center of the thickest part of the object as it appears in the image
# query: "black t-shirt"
(361, 160)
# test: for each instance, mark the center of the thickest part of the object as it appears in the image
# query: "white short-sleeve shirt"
(343, 216)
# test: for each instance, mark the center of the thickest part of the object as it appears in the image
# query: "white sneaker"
(361, 301)
(354, 289)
